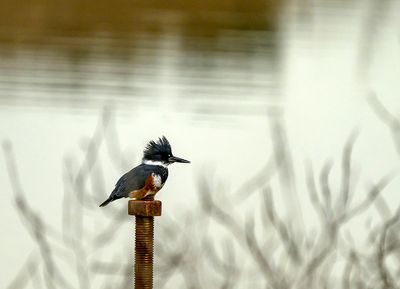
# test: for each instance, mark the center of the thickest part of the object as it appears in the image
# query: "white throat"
(155, 163)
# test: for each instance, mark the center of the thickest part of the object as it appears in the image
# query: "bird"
(145, 180)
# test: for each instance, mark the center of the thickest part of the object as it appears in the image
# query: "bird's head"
(159, 153)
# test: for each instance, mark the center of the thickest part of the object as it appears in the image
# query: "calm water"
(235, 73)
(213, 97)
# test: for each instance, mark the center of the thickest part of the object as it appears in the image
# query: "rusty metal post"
(144, 212)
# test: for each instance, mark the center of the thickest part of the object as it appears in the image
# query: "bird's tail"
(105, 203)
(109, 200)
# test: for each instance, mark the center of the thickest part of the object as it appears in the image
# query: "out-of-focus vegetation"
(40, 20)
(263, 250)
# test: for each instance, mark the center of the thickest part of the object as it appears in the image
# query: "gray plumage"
(135, 180)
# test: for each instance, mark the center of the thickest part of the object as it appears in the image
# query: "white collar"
(155, 163)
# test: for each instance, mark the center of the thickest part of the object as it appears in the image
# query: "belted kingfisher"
(145, 180)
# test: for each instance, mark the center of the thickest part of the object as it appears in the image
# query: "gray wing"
(133, 180)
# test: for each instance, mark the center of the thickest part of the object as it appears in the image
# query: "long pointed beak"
(177, 160)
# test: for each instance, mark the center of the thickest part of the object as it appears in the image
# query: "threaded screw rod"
(144, 240)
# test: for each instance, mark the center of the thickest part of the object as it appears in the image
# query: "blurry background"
(288, 110)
